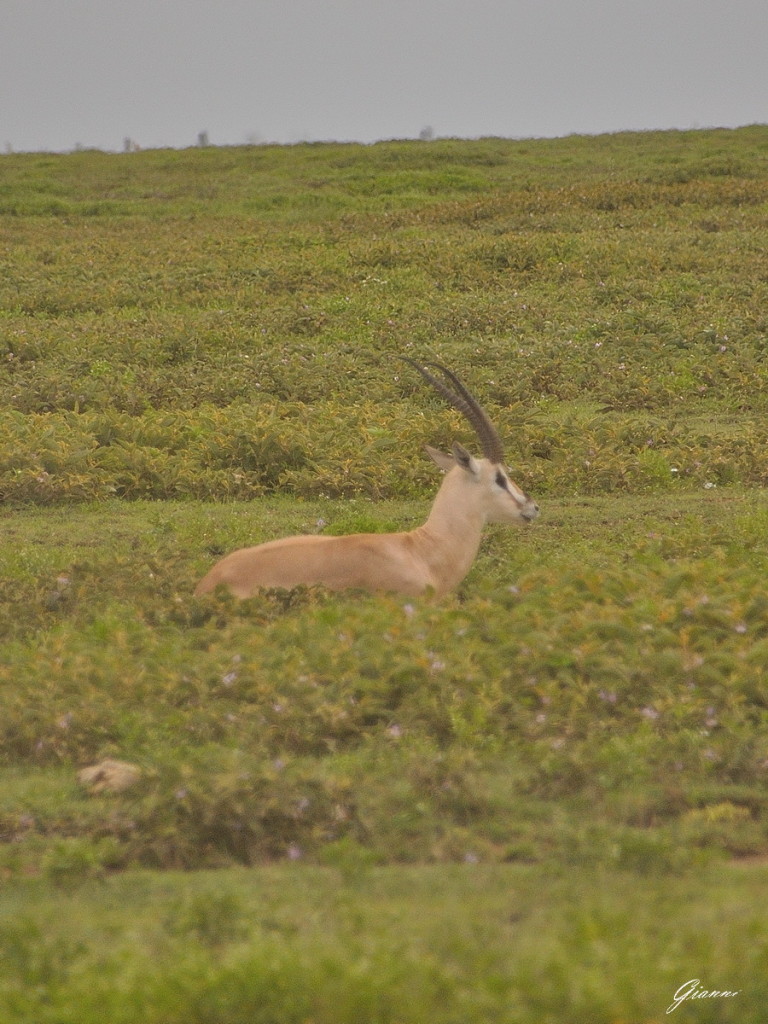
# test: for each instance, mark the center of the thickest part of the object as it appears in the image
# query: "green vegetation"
(542, 798)
(417, 944)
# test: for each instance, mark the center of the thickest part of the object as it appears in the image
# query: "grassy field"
(540, 799)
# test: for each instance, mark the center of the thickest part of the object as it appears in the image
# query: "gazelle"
(436, 556)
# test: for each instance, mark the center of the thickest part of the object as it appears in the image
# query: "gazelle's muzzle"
(529, 511)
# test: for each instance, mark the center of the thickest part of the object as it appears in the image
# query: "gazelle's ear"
(465, 460)
(459, 457)
(441, 459)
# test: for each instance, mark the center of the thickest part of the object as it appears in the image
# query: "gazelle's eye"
(501, 480)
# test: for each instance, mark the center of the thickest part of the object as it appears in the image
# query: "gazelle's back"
(367, 561)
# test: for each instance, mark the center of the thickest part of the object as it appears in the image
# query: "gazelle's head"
(502, 500)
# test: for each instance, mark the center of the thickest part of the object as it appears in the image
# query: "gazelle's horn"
(467, 405)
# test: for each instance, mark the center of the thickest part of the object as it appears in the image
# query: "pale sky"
(93, 72)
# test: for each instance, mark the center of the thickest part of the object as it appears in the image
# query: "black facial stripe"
(502, 481)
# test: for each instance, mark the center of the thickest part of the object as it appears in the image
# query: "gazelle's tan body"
(435, 556)
(366, 561)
